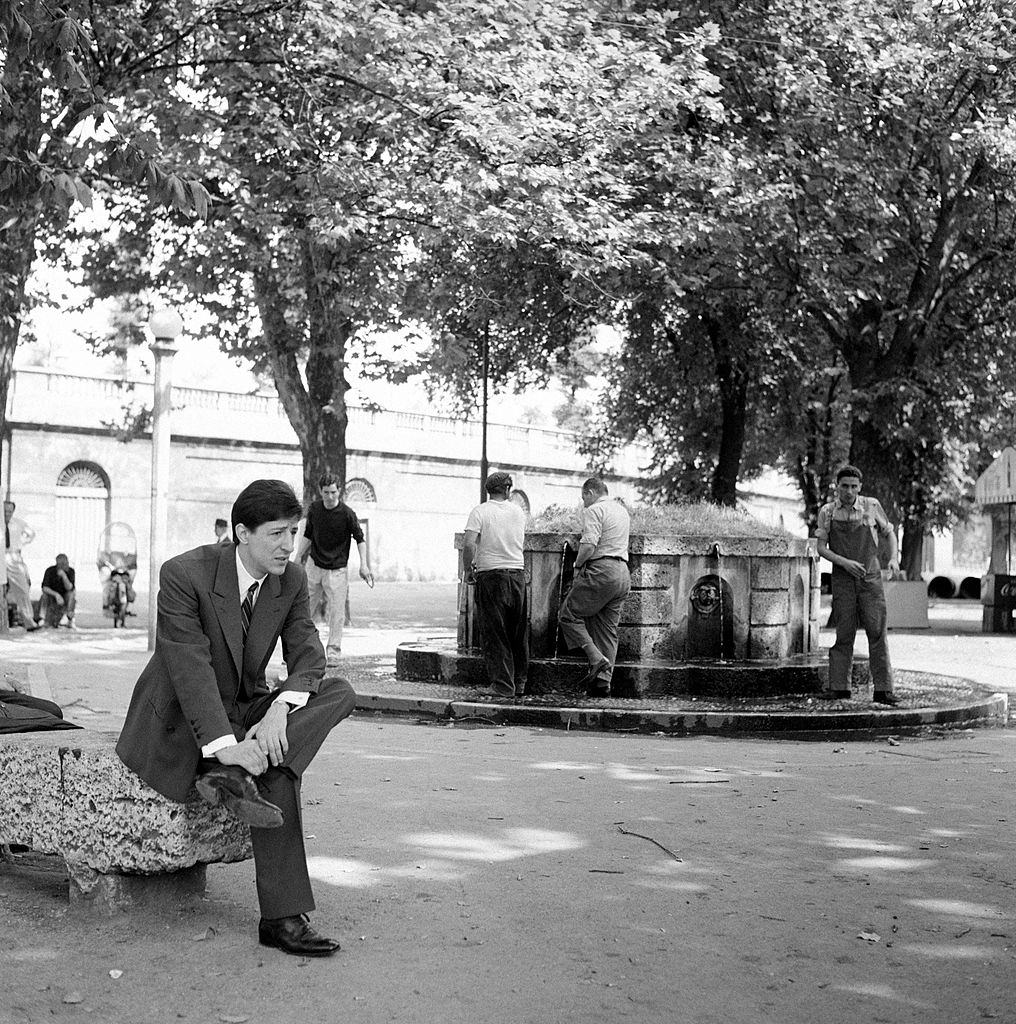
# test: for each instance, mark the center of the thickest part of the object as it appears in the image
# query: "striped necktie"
(247, 609)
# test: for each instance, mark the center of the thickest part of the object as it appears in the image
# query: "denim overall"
(858, 602)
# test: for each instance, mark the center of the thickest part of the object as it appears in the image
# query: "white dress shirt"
(293, 698)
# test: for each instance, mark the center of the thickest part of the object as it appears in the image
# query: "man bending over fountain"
(592, 610)
(848, 531)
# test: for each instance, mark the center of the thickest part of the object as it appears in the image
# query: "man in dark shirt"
(58, 593)
(330, 528)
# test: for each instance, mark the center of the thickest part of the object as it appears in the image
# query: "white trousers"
(329, 586)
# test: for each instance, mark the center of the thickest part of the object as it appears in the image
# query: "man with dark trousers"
(492, 559)
(202, 714)
(591, 612)
(848, 533)
(328, 535)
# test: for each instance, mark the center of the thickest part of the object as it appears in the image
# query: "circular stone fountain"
(719, 634)
(735, 616)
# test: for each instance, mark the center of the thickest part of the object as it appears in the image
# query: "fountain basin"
(446, 664)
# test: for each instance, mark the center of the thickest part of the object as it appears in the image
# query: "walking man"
(492, 558)
(328, 534)
(591, 612)
(222, 532)
(202, 714)
(848, 532)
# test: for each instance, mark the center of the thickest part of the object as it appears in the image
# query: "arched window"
(521, 499)
(359, 491)
(85, 475)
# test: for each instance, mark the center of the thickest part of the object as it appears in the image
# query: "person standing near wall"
(848, 532)
(19, 584)
(492, 558)
(330, 529)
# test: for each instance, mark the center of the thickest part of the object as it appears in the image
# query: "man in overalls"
(848, 531)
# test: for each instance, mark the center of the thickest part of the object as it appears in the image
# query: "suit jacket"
(201, 678)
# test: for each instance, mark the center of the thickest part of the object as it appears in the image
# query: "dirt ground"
(482, 875)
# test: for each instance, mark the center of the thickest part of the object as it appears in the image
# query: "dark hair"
(327, 479)
(498, 483)
(220, 522)
(594, 485)
(264, 501)
(848, 471)
(63, 556)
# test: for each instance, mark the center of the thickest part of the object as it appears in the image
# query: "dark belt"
(483, 572)
(606, 558)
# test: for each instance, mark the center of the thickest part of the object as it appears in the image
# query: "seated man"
(58, 594)
(202, 714)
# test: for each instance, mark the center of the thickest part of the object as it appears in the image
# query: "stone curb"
(991, 711)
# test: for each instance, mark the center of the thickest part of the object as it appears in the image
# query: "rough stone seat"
(124, 844)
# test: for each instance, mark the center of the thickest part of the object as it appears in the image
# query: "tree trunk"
(20, 141)
(912, 548)
(732, 382)
(316, 406)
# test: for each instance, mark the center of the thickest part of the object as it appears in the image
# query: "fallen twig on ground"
(649, 839)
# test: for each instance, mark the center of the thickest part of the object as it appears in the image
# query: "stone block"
(638, 643)
(95, 893)
(770, 574)
(72, 796)
(648, 607)
(768, 642)
(769, 608)
(647, 571)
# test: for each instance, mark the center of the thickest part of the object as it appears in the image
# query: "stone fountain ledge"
(929, 702)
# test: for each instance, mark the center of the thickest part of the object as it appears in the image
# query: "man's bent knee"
(339, 691)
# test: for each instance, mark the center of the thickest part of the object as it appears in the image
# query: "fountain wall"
(737, 599)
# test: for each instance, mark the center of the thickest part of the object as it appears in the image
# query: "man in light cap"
(492, 557)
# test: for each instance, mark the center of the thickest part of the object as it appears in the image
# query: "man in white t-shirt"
(492, 557)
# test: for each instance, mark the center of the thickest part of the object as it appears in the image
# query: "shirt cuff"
(295, 698)
(210, 749)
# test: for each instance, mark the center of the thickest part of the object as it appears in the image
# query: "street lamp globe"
(165, 324)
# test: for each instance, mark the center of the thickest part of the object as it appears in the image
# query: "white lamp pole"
(166, 326)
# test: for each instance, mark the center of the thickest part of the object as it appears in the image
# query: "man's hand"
(894, 567)
(856, 569)
(367, 576)
(247, 754)
(270, 733)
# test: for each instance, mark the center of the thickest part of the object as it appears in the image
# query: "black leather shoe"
(231, 786)
(294, 935)
(886, 698)
(591, 681)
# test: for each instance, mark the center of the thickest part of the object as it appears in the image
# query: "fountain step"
(444, 663)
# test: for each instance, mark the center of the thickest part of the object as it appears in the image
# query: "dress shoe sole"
(257, 815)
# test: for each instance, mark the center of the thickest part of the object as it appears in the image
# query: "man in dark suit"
(202, 714)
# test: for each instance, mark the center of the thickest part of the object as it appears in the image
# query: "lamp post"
(166, 326)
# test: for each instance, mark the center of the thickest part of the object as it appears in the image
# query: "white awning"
(997, 484)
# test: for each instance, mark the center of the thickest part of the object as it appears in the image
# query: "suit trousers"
(280, 862)
(859, 602)
(591, 612)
